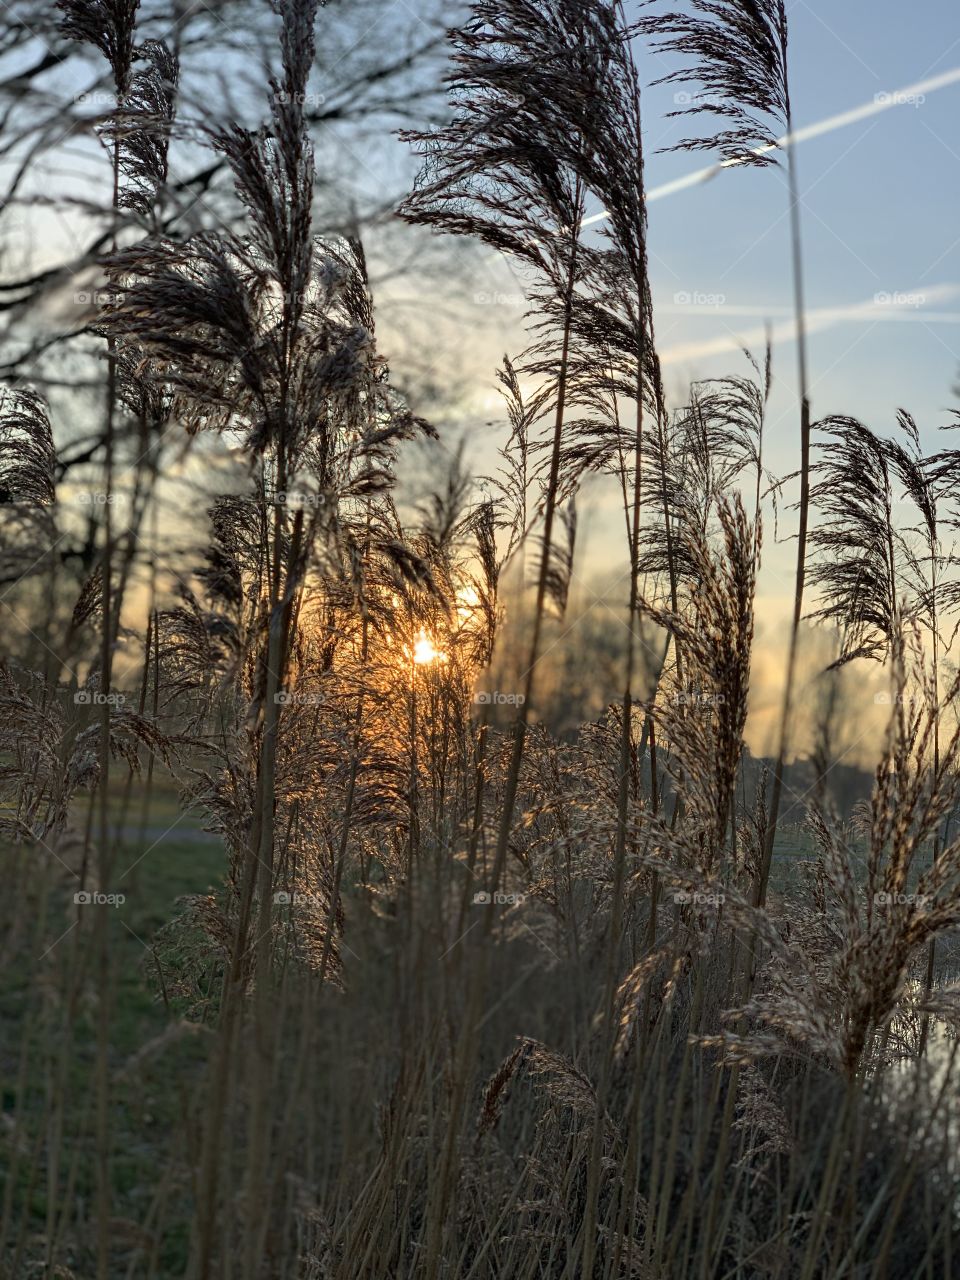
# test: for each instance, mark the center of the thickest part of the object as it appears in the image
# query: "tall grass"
(442, 992)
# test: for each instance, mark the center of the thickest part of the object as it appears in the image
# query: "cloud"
(912, 306)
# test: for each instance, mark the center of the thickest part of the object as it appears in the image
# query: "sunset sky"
(881, 239)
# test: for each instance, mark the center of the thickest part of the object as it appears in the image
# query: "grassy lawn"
(50, 1000)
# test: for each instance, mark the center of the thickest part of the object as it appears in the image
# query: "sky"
(881, 241)
(880, 231)
(882, 272)
(881, 235)
(879, 217)
(879, 203)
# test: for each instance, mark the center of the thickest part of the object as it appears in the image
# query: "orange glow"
(468, 600)
(424, 650)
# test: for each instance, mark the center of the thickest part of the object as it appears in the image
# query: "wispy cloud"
(913, 306)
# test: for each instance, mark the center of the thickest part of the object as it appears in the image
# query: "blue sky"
(881, 237)
(879, 215)
(880, 200)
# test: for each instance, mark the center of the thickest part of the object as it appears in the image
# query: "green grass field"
(156, 1061)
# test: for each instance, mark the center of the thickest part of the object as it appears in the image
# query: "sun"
(424, 650)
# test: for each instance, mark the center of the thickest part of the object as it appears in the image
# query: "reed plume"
(738, 50)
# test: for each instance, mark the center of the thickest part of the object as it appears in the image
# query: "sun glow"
(424, 650)
(468, 601)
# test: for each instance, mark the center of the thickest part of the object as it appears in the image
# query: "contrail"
(882, 102)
